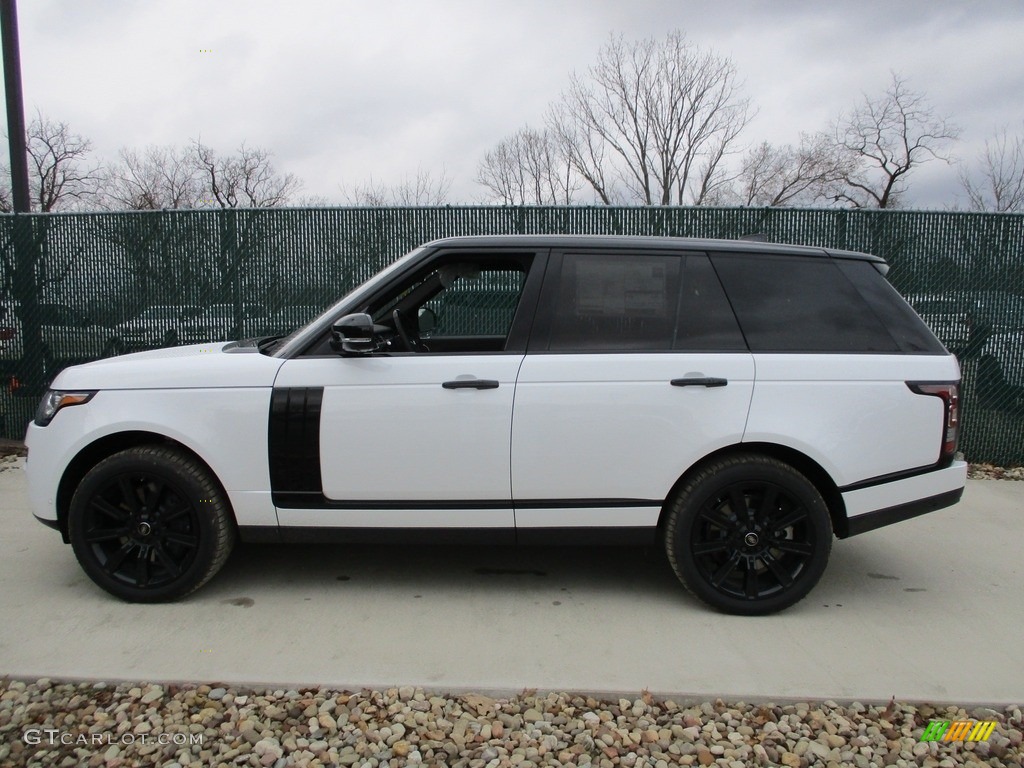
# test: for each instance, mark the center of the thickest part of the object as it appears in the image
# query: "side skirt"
(574, 536)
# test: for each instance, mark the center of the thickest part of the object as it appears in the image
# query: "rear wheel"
(748, 534)
(149, 524)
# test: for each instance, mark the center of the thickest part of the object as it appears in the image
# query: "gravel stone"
(405, 726)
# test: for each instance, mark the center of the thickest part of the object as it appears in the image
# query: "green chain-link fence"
(80, 286)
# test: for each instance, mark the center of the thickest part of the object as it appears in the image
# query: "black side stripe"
(316, 500)
(294, 440)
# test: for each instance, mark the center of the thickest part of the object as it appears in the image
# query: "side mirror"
(427, 320)
(356, 334)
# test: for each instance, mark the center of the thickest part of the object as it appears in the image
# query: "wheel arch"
(801, 462)
(96, 451)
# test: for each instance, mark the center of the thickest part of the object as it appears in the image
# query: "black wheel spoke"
(167, 561)
(131, 499)
(726, 569)
(710, 547)
(795, 547)
(142, 579)
(750, 581)
(105, 534)
(718, 518)
(777, 570)
(117, 559)
(174, 511)
(794, 517)
(183, 539)
(104, 507)
(738, 502)
(769, 501)
(154, 494)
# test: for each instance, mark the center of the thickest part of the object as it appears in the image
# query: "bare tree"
(244, 180)
(886, 138)
(999, 185)
(652, 121)
(60, 174)
(423, 189)
(787, 175)
(529, 168)
(155, 179)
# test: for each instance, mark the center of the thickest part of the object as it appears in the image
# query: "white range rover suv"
(737, 403)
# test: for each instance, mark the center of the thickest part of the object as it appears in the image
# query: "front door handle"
(471, 384)
(703, 381)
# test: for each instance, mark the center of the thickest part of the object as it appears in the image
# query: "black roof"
(650, 243)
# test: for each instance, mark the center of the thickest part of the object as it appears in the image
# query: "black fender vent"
(294, 446)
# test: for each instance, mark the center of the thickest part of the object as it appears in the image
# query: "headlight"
(55, 399)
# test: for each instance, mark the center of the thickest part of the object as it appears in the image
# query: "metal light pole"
(31, 371)
(15, 105)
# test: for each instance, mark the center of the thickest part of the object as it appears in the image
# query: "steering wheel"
(410, 344)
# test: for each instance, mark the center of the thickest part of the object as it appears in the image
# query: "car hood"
(224, 364)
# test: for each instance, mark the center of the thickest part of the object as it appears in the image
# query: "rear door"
(635, 370)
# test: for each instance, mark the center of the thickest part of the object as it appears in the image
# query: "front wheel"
(149, 524)
(748, 535)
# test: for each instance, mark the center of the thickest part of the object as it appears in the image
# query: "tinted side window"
(615, 302)
(910, 332)
(650, 303)
(706, 321)
(799, 304)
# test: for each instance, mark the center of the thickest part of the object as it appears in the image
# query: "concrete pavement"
(928, 610)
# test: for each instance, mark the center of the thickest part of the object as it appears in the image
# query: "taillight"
(949, 392)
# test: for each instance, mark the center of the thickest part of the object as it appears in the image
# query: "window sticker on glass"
(609, 287)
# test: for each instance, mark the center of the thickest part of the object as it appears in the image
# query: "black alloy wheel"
(148, 524)
(749, 535)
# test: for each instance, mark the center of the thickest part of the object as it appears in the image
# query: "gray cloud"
(342, 91)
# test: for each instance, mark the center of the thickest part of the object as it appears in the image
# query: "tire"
(149, 524)
(748, 535)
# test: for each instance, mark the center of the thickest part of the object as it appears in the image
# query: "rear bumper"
(877, 505)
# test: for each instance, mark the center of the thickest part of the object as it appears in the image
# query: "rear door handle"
(704, 381)
(471, 384)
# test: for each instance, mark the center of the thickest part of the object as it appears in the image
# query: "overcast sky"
(341, 91)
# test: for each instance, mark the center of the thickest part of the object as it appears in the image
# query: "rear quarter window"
(800, 304)
(909, 331)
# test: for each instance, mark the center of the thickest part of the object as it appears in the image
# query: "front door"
(417, 434)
